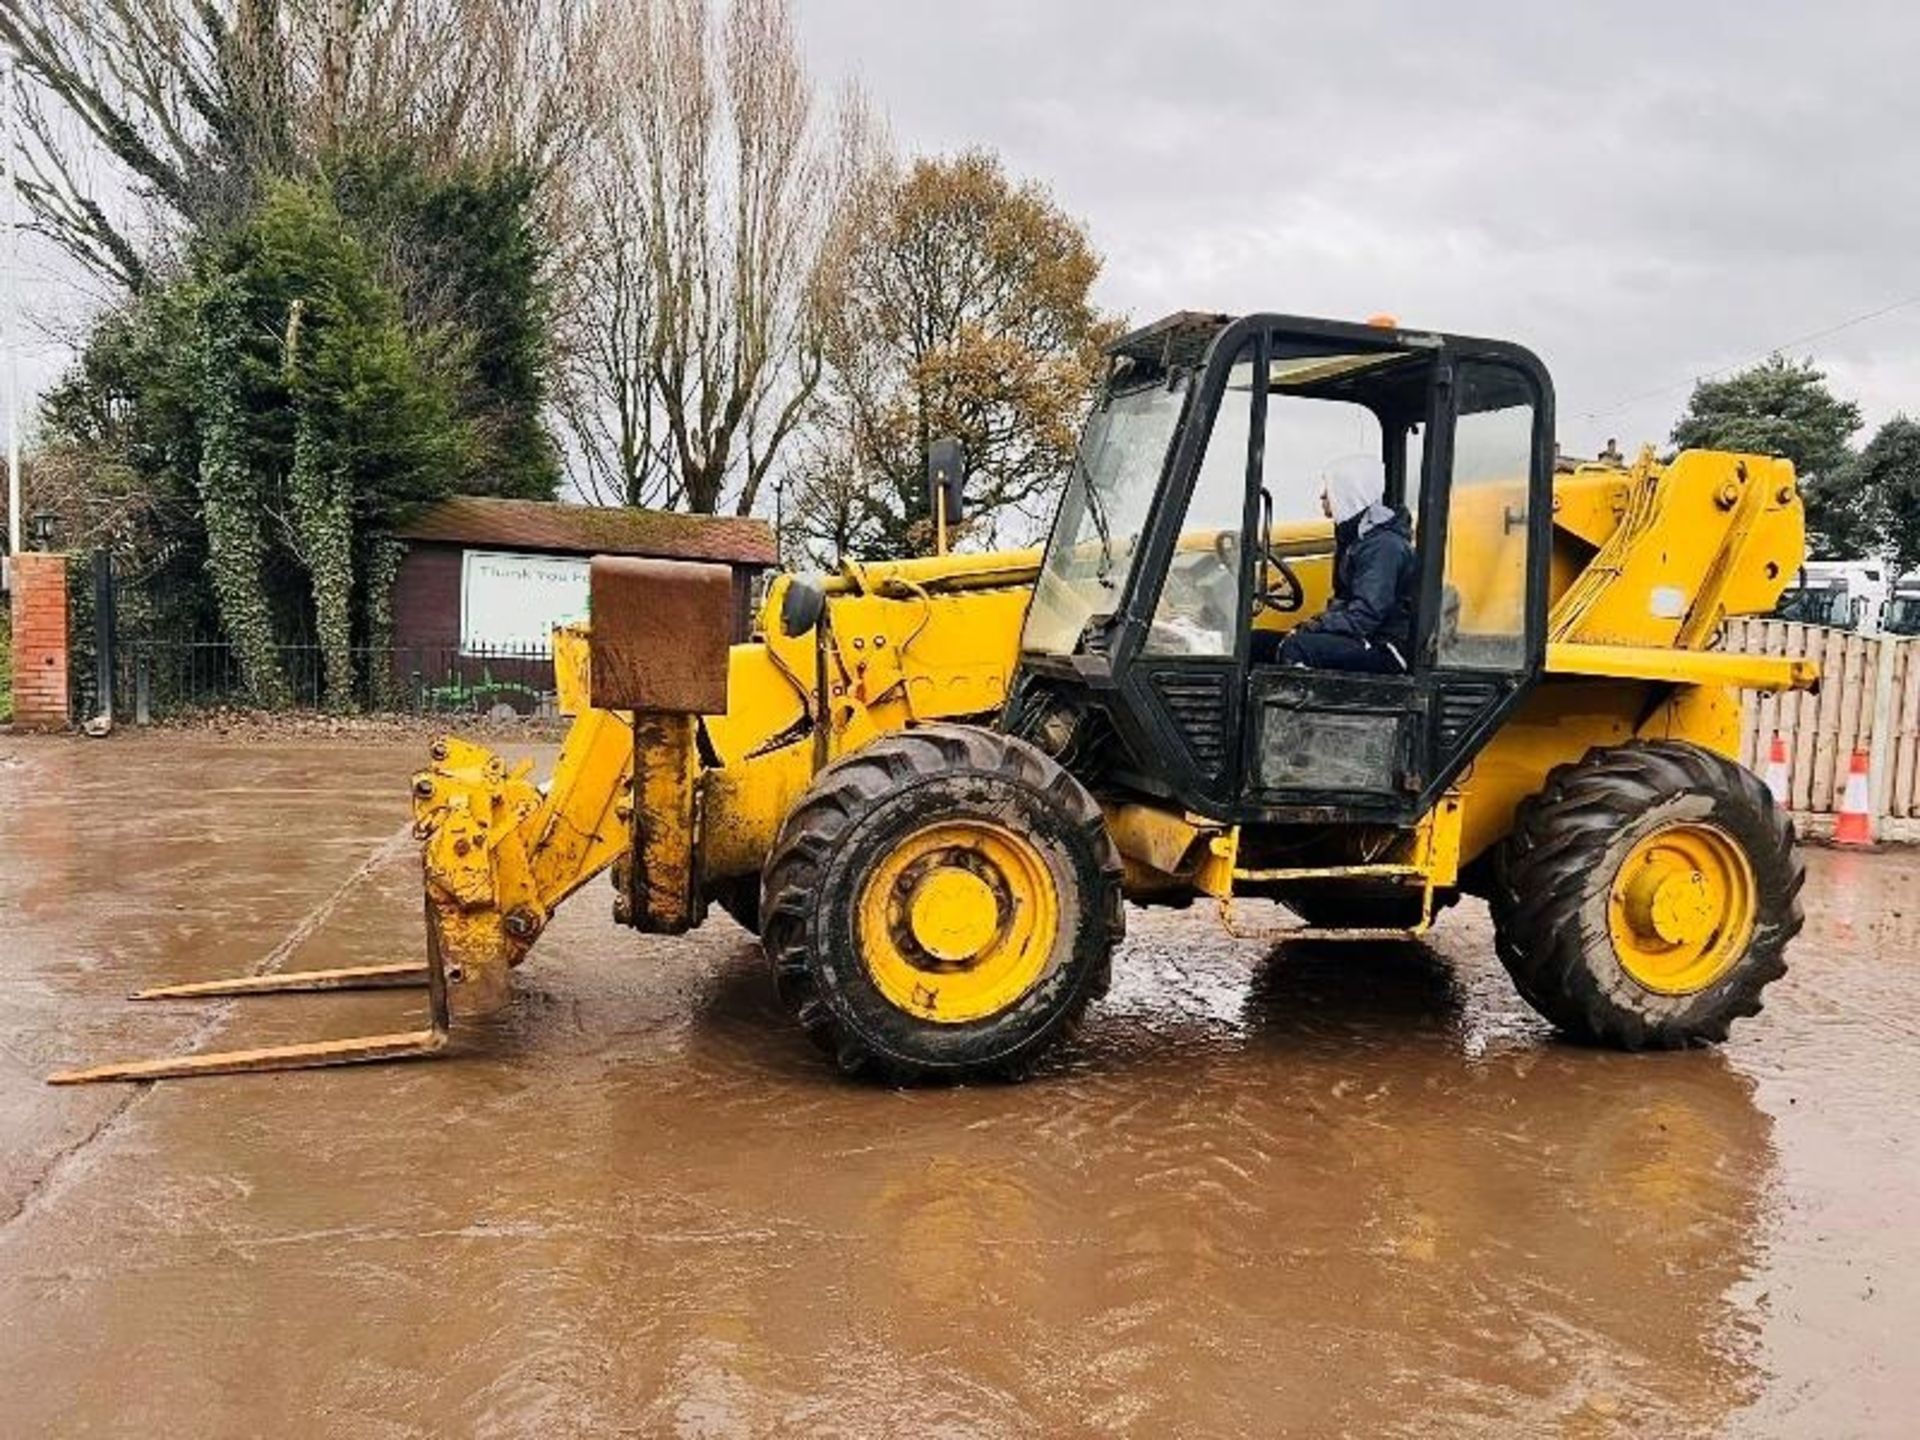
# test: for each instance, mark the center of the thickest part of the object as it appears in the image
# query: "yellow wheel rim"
(958, 921)
(1681, 909)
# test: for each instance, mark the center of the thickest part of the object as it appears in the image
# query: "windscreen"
(1116, 472)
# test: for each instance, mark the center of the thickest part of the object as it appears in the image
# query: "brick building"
(484, 580)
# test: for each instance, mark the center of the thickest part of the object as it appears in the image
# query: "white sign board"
(512, 602)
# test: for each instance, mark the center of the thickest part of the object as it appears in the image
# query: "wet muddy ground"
(1269, 1190)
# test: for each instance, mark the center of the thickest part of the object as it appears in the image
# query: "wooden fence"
(1869, 699)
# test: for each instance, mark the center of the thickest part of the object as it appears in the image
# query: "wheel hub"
(1670, 906)
(952, 913)
(958, 921)
(1682, 908)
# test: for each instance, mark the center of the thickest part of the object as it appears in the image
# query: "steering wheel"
(1284, 598)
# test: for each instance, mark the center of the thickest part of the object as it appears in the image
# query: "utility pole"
(780, 521)
(8, 80)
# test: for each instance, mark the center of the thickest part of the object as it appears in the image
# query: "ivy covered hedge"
(263, 415)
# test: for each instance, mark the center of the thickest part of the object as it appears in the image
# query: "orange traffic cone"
(1854, 826)
(1777, 770)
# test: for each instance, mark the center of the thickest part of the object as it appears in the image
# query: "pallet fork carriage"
(927, 786)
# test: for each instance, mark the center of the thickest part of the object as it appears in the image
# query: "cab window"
(1201, 609)
(1483, 619)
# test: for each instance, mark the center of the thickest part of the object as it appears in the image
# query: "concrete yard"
(1301, 1190)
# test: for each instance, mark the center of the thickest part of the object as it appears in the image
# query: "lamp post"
(40, 530)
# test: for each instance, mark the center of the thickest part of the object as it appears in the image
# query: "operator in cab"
(1368, 624)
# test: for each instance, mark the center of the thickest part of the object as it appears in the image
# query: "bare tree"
(701, 290)
(196, 101)
(454, 78)
(691, 232)
(143, 81)
(604, 319)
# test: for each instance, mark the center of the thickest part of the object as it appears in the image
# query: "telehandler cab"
(928, 785)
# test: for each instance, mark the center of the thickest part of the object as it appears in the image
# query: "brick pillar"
(40, 641)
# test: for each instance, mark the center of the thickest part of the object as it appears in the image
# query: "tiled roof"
(593, 530)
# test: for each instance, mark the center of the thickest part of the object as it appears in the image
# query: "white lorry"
(1902, 614)
(1847, 595)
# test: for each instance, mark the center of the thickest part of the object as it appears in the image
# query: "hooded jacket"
(1354, 484)
(1373, 580)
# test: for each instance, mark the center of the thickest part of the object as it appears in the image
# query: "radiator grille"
(1460, 707)
(1198, 707)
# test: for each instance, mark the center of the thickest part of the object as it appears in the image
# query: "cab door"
(1487, 515)
(1338, 745)
(1186, 678)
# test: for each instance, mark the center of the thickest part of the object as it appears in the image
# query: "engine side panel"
(1562, 719)
(896, 652)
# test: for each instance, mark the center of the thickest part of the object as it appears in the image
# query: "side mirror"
(802, 606)
(947, 479)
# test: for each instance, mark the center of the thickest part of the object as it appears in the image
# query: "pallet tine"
(308, 1055)
(297, 982)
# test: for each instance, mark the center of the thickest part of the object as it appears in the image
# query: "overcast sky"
(1642, 193)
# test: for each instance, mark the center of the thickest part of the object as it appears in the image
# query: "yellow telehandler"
(929, 785)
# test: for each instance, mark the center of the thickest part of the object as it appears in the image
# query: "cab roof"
(1182, 339)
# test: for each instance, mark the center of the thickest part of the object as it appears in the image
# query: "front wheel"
(942, 903)
(1646, 897)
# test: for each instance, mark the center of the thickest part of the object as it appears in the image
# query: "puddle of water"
(1331, 1189)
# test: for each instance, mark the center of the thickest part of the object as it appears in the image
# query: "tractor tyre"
(1647, 895)
(941, 904)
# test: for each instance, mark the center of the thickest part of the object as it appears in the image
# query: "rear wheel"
(942, 903)
(1646, 897)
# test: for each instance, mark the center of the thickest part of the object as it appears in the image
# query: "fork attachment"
(308, 1055)
(499, 853)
